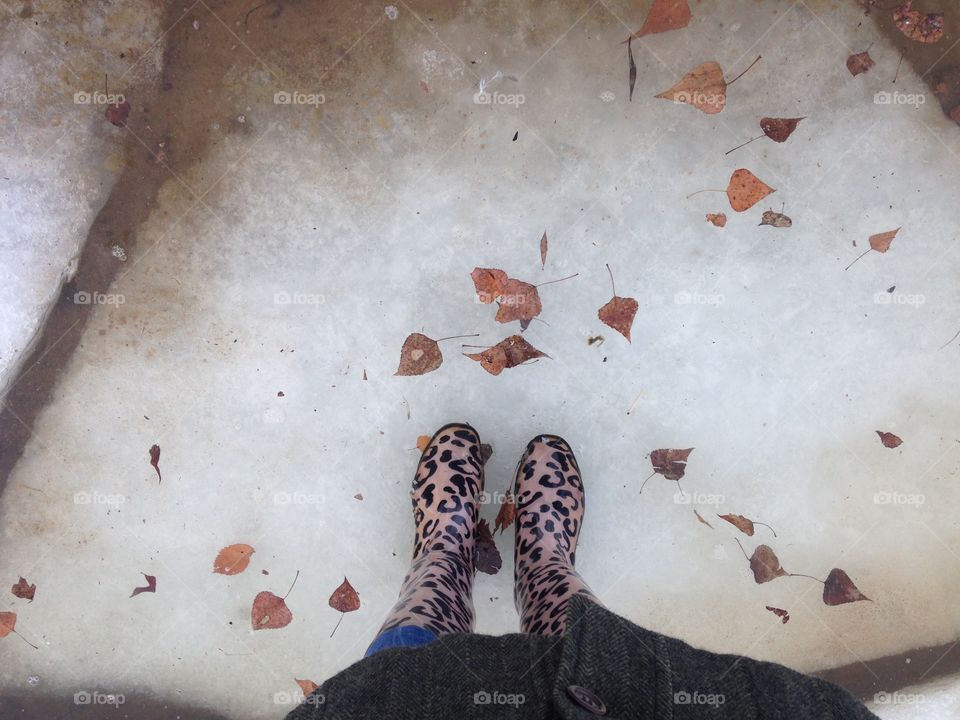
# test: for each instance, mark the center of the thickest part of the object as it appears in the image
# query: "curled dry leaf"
(631, 70)
(839, 589)
(269, 612)
(889, 439)
(703, 87)
(924, 28)
(155, 460)
(775, 219)
(744, 525)
(700, 518)
(486, 452)
(487, 556)
(665, 15)
(307, 686)
(507, 353)
(765, 564)
(782, 614)
(150, 587)
(670, 463)
(24, 590)
(507, 513)
(345, 598)
(859, 63)
(419, 355)
(233, 559)
(718, 219)
(745, 190)
(779, 129)
(543, 251)
(618, 313)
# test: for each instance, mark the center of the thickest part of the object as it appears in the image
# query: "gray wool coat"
(604, 666)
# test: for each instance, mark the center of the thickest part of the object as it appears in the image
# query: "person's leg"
(436, 596)
(549, 497)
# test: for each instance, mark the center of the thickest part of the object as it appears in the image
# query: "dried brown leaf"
(487, 556)
(889, 439)
(859, 63)
(150, 587)
(765, 564)
(839, 589)
(419, 355)
(507, 353)
(345, 598)
(24, 590)
(618, 313)
(923, 28)
(718, 219)
(881, 241)
(779, 129)
(269, 612)
(670, 463)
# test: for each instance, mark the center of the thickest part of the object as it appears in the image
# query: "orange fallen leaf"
(839, 589)
(859, 63)
(8, 624)
(889, 439)
(488, 283)
(619, 312)
(718, 219)
(422, 442)
(307, 686)
(703, 87)
(879, 242)
(507, 353)
(233, 559)
(745, 190)
(518, 301)
(665, 15)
